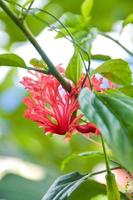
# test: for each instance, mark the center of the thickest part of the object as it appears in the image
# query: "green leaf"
(86, 8)
(38, 63)
(100, 197)
(88, 190)
(128, 90)
(83, 154)
(113, 115)
(74, 68)
(100, 57)
(64, 186)
(11, 60)
(128, 20)
(121, 105)
(69, 20)
(116, 70)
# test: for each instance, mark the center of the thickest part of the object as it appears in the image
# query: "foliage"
(128, 20)
(74, 68)
(11, 60)
(63, 187)
(110, 109)
(116, 70)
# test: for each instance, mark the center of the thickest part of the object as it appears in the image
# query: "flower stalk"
(112, 189)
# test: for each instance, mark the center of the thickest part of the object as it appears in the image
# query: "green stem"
(105, 156)
(117, 42)
(30, 37)
(111, 185)
(29, 7)
(35, 69)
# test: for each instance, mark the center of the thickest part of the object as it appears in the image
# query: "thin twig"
(103, 171)
(117, 42)
(30, 37)
(29, 7)
(72, 40)
(101, 33)
(69, 33)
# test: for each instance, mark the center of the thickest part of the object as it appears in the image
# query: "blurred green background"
(20, 139)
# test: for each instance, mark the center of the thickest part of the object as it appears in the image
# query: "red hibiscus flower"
(52, 107)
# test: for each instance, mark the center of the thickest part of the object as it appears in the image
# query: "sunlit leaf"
(86, 7)
(38, 63)
(11, 60)
(116, 70)
(74, 68)
(100, 197)
(100, 57)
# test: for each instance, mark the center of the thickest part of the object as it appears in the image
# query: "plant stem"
(30, 37)
(35, 69)
(111, 185)
(117, 42)
(30, 5)
(105, 155)
(103, 171)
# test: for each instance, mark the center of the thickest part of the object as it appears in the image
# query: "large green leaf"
(86, 7)
(116, 70)
(113, 115)
(64, 186)
(74, 68)
(122, 107)
(13, 60)
(88, 190)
